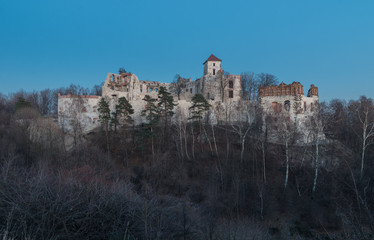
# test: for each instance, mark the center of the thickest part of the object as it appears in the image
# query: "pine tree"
(151, 113)
(199, 106)
(122, 113)
(22, 103)
(166, 105)
(104, 118)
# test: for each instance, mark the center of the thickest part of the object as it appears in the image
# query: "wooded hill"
(189, 180)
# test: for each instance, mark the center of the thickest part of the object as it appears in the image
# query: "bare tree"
(245, 115)
(248, 85)
(74, 118)
(223, 81)
(286, 133)
(363, 115)
(315, 136)
(45, 101)
(266, 79)
(177, 85)
(96, 89)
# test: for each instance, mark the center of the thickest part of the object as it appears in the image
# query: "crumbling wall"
(78, 113)
(289, 101)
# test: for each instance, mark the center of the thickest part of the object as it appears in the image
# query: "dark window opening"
(190, 90)
(287, 105)
(231, 84)
(231, 94)
(214, 72)
(214, 64)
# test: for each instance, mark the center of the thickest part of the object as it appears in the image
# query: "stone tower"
(212, 65)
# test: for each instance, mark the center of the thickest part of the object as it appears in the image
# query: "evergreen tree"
(166, 105)
(122, 113)
(122, 70)
(22, 103)
(151, 113)
(199, 106)
(104, 118)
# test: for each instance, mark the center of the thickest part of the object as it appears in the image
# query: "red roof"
(212, 58)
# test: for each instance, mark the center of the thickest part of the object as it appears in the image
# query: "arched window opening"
(231, 84)
(287, 105)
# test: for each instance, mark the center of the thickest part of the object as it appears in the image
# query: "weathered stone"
(222, 91)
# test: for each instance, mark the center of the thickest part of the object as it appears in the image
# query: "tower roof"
(213, 58)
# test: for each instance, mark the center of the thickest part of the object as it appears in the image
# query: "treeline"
(187, 179)
(46, 100)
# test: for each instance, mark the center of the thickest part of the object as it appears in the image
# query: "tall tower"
(212, 65)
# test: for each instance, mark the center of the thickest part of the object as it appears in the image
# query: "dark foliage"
(143, 186)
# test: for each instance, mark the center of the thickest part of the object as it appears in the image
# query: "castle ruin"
(223, 92)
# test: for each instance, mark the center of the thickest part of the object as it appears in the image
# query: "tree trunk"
(242, 148)
(193, 143)
(227, 146)
(287, 167)
(166, 128)
(153, 150)
(180, 139)
(214, 141)
(363, 152)
(185, 142)
(207, 138)
(316, 167)
(263, 161)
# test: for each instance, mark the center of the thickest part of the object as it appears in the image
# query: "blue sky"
(48, 44)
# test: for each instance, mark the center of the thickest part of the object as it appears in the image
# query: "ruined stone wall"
(282, 89)
(78, 113)
(293, 105)
(289, 102)
(222, 91)
(190, 88)
(222, 87)
(313, 91)
(128, 85)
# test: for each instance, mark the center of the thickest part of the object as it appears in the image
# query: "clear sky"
(52, 43)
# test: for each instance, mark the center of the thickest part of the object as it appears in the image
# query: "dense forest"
(187, 179)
